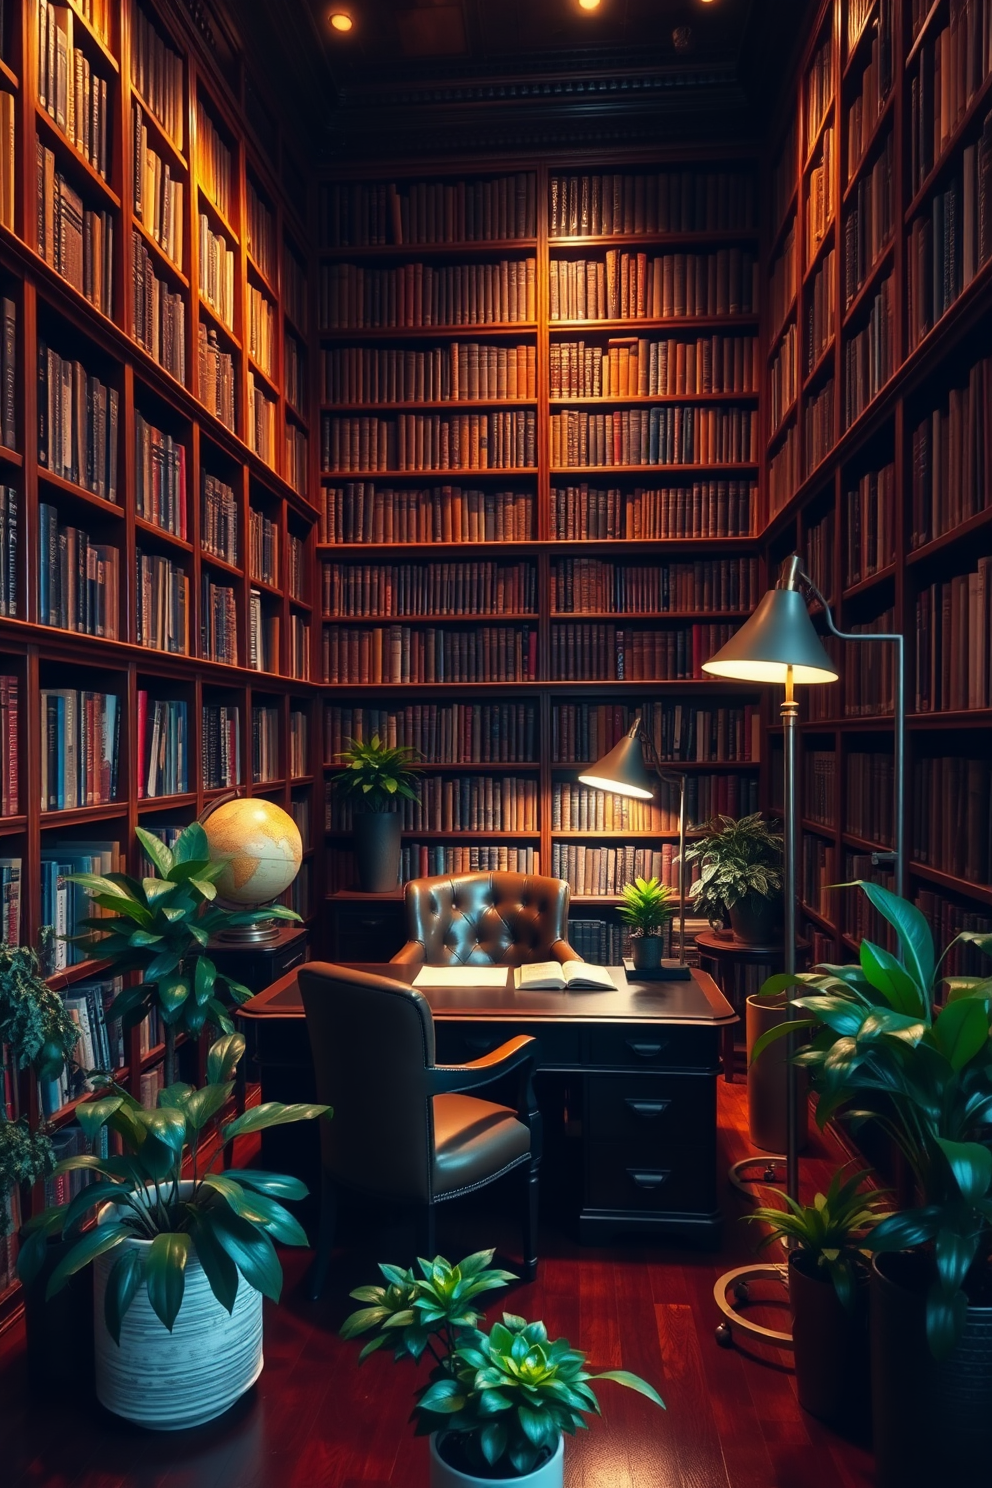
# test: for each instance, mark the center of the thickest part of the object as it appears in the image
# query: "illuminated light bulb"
(341, 21)
(588, 4)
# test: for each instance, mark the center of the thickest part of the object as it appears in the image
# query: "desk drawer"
(371, 934)
(678, 1109)
(620, 1177)
(650, 1046)
(458, 1043)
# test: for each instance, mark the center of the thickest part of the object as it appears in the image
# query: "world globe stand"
(261, 849)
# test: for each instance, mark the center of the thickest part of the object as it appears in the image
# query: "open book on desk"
(554, 977)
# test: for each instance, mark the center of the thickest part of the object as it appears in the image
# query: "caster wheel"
(724, 1335)
(741, 1293)
(770, 1173)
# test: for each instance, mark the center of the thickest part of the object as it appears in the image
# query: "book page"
(461, 976)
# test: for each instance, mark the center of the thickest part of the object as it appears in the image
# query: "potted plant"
(160, 927)
(882, 1049)
(741, 872)
(375, 778)
(180, 1263)
(497, 1404)
(646, 907)
(828, 1292)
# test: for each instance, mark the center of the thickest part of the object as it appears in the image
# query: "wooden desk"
(646, 1058)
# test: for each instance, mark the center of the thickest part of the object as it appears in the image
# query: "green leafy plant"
(228, 1220)
(831, 1230)
(38, 1031)
(646, 905)
(738, 858)
(881, 1048)
(506, 1396)
(160, 927)
(375, 776)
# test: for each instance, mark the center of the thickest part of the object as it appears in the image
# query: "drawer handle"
(648, 1109)
(295, 961)
(646, 1051)
(648, 1179)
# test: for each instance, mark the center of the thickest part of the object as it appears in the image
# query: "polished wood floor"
(315, 1420)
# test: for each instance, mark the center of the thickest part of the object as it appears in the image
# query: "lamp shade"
(623, 770)
(777, 636)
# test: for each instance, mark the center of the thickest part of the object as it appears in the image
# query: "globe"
(262, 847)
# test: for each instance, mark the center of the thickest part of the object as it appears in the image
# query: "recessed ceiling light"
(589, 4)
(341, 20)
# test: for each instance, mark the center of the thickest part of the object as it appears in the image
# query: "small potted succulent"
(181, 1263)
(828, 1291)
(646, 907)
(498, 1404)
(374, 779)
(741, 873)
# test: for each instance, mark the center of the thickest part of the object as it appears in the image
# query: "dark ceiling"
(423, 76)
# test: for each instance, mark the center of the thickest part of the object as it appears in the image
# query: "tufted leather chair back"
(372, 1041)
(487, 919)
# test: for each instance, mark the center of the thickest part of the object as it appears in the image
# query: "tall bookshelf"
(893, 511)
(128, 553)
(612, 544)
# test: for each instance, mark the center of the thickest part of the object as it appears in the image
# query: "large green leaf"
(961, 1031)
(93, 1243)
(892, 979)
(91, 1115)
(910, 926)
(206, 975)
(168, 1124)
(250, 1249)
(277, 1184)
(105, 1192)
(971, 1164)
(155, 850)
(122, 1287)
(224, 1057)
(779, 1031)
(165, 1275)
(633, 1382)
(173, 992)
(191, 844)
(270, 1113)
(218, 1267)
(204, 1104)
(162, 965)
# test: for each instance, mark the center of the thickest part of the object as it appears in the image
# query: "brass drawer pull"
(646, 1051)
(646, 1108)
(647, 1179)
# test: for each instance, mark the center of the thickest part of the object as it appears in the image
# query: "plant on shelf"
(498, 1403)
(160, 927)
(646, 906)
(375, 778)
(181, 1263)
(740, 875)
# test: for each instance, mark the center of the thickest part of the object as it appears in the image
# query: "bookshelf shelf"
(507, 617)
(653, 399)
(649, 323)
(872, 279)
(9, 75)
(163, 535)
(76, 163)
(923, 35)
(459, 833)
(265, 378)
(788, 418)
(787, 321)
(440, 477)
(632, 615)
(787, 220)
(113, 810)
(948, 155)
(68, 488)
(822, 247)
(260, 274)
(633, 240)
(486, 329)
(659, 470)
(884, 575)
(11, 456)
(456, 405)
(821, 829)
(163, 139)
(854, 47)
(981, 892)
(212, 210)
(868, 153)
(819, 919)
(473, 248)
(824, 363)
(163, 260)
(975, 523)
(213, 560)
(825, 120)
(220, 326)
(93, 39)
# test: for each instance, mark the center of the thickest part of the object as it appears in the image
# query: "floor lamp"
(624, 773)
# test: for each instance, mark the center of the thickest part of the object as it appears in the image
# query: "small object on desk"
(668, 971)
(551, 976)
(461, 976)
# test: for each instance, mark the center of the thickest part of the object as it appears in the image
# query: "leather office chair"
(486, 919)
(404, 1128)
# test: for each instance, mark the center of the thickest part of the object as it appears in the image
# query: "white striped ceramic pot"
(550, 1474)
(168, 1381)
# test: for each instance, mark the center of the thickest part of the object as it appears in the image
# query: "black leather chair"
(486, 919)
(404, 1128)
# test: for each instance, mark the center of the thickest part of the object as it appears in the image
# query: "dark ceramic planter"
(377, 850)
(753, 919)
(831, 1347)
(767, 1079)
(932, 1422)
(645, 952)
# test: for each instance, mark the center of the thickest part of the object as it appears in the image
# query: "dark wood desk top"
(698, 1001)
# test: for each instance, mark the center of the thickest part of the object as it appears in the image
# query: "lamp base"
(263, 932)
(668, 971)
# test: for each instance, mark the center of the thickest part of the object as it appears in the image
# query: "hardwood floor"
(316, 1420)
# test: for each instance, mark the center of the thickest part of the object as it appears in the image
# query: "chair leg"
(530, 1216)
(325, 1238)
(425, 1232)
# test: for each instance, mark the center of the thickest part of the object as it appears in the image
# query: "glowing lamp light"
(589, 4)
(341, 21)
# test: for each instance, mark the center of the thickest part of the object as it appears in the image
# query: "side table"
(728, 959)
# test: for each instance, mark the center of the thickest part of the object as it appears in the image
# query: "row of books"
(631, 366)
(428, 589)
(295, 289)
(580, 808)
(263, 635)
(582, 733)
(218, 622)
(362, 512)
(869, 221)
(220, 746)
(820, 552)
(782, 282)
(264, 743)
(818, 427)
(820, 195)
(299, 751)
(443, 733)
(424, 860)
(260, 232)
(299, 810)
(947, 919)
(865, 109)
(948, 71)
(604, 205)
(263, 547)
(160, 477)
(867, 675)
(299, 648)
(870, 536)
(418, 294)
(950, 242)
(667, 435)
(820, 786)
(595, 652)
(8, 368)
(783, 471)
(398, 653)
(158, 313)
(299, 572)
(80, 748)
(456, 373)
(419, 441)
(632, 286)
(216, 376)
(163, 747)
(295, 380)
(78, 579)
(580, 585)
(783, 175)
(162, 612)
(69, 90)
(219, 518)
(954, 642)
(214, 162)
(820, 310)
(869, 355)
(10, 739)
(465, 803)
(297, 459)
(8, 182)
(299, 892)
(602, 872)
(858, 918)
(100, 1045)
(819, 91)
(263, 330)
(783, 379)
(157, 194)
(157, 74)
(261, 422)
(9, 552)
(819, 875)
(952, 458)
(78, 243)
(868, 798)
(10, 900)
(951, 817)
(724, 508)
(494, 209)
(216, 272)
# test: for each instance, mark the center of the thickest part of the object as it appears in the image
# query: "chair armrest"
(411, 954)
(562, 952)
(516, 1053)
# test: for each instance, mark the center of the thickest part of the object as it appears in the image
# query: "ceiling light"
(588, 4)
(341, 20)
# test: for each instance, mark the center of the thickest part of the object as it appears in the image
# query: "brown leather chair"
(486, 919)
(404, 1128)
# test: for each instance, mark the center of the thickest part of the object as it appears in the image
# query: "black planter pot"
(932, 1422)
(645, 952)
(831, 1347)
(59, 1332)
(377, 850)
(753, 919)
